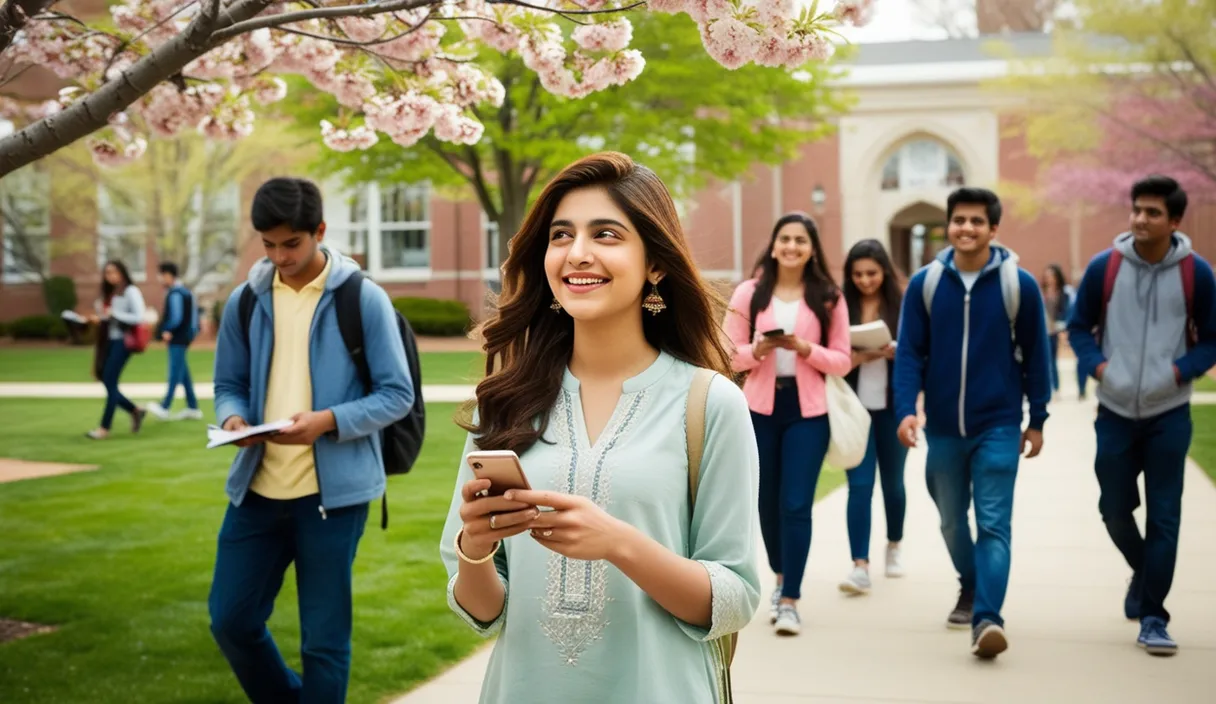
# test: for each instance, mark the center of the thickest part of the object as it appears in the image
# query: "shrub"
(217, 312)
(38, 327)
(59, 293)
(439, 317)
(3, 329)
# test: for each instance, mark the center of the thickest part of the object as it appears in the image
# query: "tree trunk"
(510, 218)
(91, 113)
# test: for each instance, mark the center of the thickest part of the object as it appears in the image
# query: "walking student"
(301, 495)
(984, 353)
(621, 593)
(120, 309)
(872, 292)
(1154, 301)
(789, 327)
(178, 328)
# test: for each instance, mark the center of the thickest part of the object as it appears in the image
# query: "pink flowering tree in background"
(1131, 92)
(400, 69)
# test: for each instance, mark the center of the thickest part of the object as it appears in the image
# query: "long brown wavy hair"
(527, 346)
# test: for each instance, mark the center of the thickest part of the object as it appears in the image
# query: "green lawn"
(1203, 437)
(121, 560)
(75, 364)
(1205, 383)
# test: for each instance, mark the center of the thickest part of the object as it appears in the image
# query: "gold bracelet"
(466, 558)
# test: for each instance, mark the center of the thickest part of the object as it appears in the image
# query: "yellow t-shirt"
(289, 471)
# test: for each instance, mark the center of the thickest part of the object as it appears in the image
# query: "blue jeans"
(1053, 358)
(179, 373)
(257, 541)
(987, 465)
(887, 455)
(792, 449)
(1157, 447)
(1082, 380)
(116, 359)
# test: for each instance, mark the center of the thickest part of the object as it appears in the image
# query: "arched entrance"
(917, 233)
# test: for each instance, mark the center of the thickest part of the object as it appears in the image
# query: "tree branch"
(92, 112)
(14, 15)
(321, 13)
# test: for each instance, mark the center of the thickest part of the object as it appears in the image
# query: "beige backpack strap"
(698, 397)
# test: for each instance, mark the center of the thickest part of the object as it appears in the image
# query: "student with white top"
(873, 293)
(789, 327)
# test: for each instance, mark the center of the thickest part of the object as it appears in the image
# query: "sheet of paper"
(73, 317)
(870, 336)
(217, 437)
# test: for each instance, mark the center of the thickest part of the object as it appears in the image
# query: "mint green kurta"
(581, 631)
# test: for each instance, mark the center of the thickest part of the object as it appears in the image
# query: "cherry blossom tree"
(399, 68)
(1132, 92)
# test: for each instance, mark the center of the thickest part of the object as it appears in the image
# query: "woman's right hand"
(762, 346)
(509, 518)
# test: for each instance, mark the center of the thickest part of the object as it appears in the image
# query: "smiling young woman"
(602, 324)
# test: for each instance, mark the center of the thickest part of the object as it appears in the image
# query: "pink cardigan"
(761, 385)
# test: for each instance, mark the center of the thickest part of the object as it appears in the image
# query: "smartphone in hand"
(501, 467)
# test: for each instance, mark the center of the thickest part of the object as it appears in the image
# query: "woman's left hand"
(576, 527)
(800, 346)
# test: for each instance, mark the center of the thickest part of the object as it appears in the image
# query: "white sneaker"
(157, 410)
(858, 582)
(189, 414)
(788, 623)
(776, 602)
(895, 568)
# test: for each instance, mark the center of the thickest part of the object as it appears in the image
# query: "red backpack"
(1186, 269)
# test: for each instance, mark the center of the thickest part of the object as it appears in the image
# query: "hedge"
(38, 327)
(437, 317)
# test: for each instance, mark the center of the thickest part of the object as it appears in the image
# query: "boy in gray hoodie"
(1144, 326)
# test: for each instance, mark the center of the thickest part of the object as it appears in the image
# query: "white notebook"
(217, 437)
(870, 336)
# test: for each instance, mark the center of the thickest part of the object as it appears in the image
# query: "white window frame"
(489, 249)
(109, 231)
(902, 169)
(374, 228)
(40, 231)
(220, 275)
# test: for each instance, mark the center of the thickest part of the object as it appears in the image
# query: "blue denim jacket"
(350, 470)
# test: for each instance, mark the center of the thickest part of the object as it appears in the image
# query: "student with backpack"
(178, 328)
(1152, 301)
(985, 351)
(300, 495)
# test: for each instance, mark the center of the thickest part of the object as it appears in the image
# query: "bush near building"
(437, 317)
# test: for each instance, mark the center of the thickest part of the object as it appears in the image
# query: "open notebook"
(217, 436)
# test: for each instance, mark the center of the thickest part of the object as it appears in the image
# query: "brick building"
(923, 124)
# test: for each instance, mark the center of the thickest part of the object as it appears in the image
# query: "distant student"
(1154, 300)
(178, 328)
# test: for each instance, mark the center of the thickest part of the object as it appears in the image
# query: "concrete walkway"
(1068, 639)
(455, 393)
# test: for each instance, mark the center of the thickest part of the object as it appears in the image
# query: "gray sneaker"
(788, 623)
(773, 607)
(960, 617)
(988, 640)
(857, 583)
(895, 565)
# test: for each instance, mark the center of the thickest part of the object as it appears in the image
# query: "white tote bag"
(849, 422)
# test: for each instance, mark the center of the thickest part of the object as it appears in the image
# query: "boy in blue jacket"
(302, 494)
(985, 349)
(178, 328)
(1154, 301)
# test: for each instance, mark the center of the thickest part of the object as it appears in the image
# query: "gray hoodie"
(1144, 333)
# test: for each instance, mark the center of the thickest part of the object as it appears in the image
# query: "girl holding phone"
(623, 586)
(786, 392)
(873, 292)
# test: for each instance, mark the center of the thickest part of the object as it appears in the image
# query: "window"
(122, 233)
(25, 202)
(212, 238)
(493, 259)
(923, 163)
(405, 226)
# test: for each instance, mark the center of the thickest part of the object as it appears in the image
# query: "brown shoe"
(137, 419)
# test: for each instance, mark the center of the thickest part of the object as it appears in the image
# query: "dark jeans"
(116, 359)
(1054, 361)
(257, 542)
(792, 449)
(1157, 447)
(987, 465)
(887, 455)
(179, 373)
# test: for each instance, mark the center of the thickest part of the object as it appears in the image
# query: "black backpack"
(402, 441)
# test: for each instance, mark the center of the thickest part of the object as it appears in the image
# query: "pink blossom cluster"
(415, 72)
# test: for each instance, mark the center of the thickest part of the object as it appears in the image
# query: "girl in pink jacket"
(789, 327)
